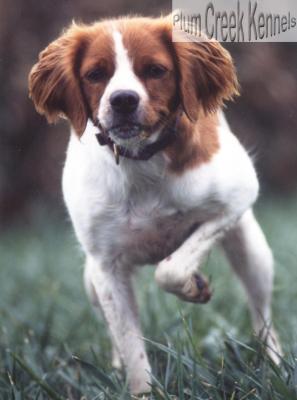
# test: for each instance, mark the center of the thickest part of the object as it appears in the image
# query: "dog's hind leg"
(252, 261)
(110, 288)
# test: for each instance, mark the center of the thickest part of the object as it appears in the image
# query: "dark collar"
(167, 136)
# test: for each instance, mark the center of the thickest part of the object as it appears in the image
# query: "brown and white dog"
(167, 179)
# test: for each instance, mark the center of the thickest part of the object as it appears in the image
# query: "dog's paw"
(273, 347)
(140, 385)
(195, 290)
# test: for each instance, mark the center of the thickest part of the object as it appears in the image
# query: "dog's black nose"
(124, 101)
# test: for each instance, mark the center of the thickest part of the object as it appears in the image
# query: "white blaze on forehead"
(124, 77)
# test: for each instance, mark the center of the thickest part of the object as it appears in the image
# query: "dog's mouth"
(128, 131)
(125, 130)
(134, 140)
(128, 139)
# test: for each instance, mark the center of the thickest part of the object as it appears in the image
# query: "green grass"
(52, 347)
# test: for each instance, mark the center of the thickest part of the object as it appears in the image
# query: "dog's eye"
(155, 71)
(96, 75)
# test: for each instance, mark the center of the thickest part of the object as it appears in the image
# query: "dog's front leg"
(93, 298)
(179, 273)
(112, 288)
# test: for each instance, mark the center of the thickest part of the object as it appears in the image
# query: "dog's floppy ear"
(53, 81)
(206, 74)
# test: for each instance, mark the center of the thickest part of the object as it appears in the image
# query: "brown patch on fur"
(99, 53)
(195, 144)
(55, 83)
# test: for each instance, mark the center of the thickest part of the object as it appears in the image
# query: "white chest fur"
(140, 212)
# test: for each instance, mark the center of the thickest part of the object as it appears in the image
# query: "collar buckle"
(116, 152)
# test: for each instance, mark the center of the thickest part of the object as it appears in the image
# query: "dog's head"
(129, 75)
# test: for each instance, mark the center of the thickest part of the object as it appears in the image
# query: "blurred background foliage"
(32, 152)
